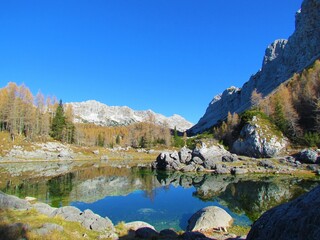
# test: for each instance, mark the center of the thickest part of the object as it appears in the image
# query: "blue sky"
(171, 56)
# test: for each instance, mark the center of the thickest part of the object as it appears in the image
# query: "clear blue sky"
(171, 56)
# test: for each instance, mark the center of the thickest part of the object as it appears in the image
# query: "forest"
(40, 118)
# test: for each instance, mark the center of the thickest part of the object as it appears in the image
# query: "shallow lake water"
(163, 199)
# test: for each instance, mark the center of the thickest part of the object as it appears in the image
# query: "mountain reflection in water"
(164, 199)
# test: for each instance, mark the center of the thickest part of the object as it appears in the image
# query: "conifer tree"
(58, 123)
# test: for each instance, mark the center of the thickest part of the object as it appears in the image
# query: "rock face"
(258, 140)
(101, 114)
(297, 219)
(282, 59)
(209, 218)
(199, 159)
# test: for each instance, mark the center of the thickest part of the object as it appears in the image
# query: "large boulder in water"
(298, 219)
(209, 218)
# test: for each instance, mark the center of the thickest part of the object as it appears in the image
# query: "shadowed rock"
(298, 219)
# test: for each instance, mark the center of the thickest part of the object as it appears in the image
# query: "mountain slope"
(282, 59)
(98, 113)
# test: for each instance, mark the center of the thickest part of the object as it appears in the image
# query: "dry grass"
(33, 220)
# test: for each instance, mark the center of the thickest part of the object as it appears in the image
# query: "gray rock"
(138, 224)
(189, 168)
(65, 154)
(210, 164)
(96, 152)
(282, 59)
(308, 156)
(12, 202)
(47, 228)
(257, 140)
(44, 208)
(95, 222)
(185, 155)
(230, 158)
(175, 155)
(297, 219)
(238, 171)
(209, 218)
(197, 160)
(68, 213)
(266, 164)
(221, 169)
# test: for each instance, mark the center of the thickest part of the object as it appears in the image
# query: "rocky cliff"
(101, 114)
(282, 59)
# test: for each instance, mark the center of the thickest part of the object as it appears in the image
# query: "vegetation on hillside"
(294, 107)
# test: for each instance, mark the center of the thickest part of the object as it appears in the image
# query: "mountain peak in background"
(282, 59)
(101, 114)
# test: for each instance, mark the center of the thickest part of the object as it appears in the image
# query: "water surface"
(163, 199)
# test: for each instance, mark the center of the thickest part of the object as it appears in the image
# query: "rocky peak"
(101, 114)
(282, 59)
(274, 50)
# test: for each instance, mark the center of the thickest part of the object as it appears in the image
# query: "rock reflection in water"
(249, 195)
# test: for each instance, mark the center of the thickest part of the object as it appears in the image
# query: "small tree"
(58, 123)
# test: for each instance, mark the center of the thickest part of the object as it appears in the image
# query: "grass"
(35, 220)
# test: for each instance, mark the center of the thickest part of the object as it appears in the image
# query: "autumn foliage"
(41, 118)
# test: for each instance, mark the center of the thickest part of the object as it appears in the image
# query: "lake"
(163, 199)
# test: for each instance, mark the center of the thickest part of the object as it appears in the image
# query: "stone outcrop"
(209, 218)
(309, 156)
(298, 219)
(258, 139)
(200, 159)
(282, 59)
(87, 218)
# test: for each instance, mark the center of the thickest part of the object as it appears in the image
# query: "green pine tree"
(58, 123)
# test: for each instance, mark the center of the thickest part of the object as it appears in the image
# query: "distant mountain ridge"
(282, 59)
(101, 114)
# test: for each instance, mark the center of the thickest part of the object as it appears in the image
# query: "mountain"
(98, 113)
(282, 59)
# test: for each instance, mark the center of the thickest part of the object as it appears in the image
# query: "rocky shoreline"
(198, 227)
(293, 220)
(218, 160)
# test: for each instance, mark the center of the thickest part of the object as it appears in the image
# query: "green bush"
(312, 139)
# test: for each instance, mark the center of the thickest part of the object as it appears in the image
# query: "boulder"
(138, 224)
(185, 155)
(95, 222)
(164, 161)
(12, 202)
(308, 156)
(258, 139)
(44, 208)
(65, 154)
(47, 228)
(238, 171)
(68, 213)
(209, 218)
(298, 219)
(175, 155)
